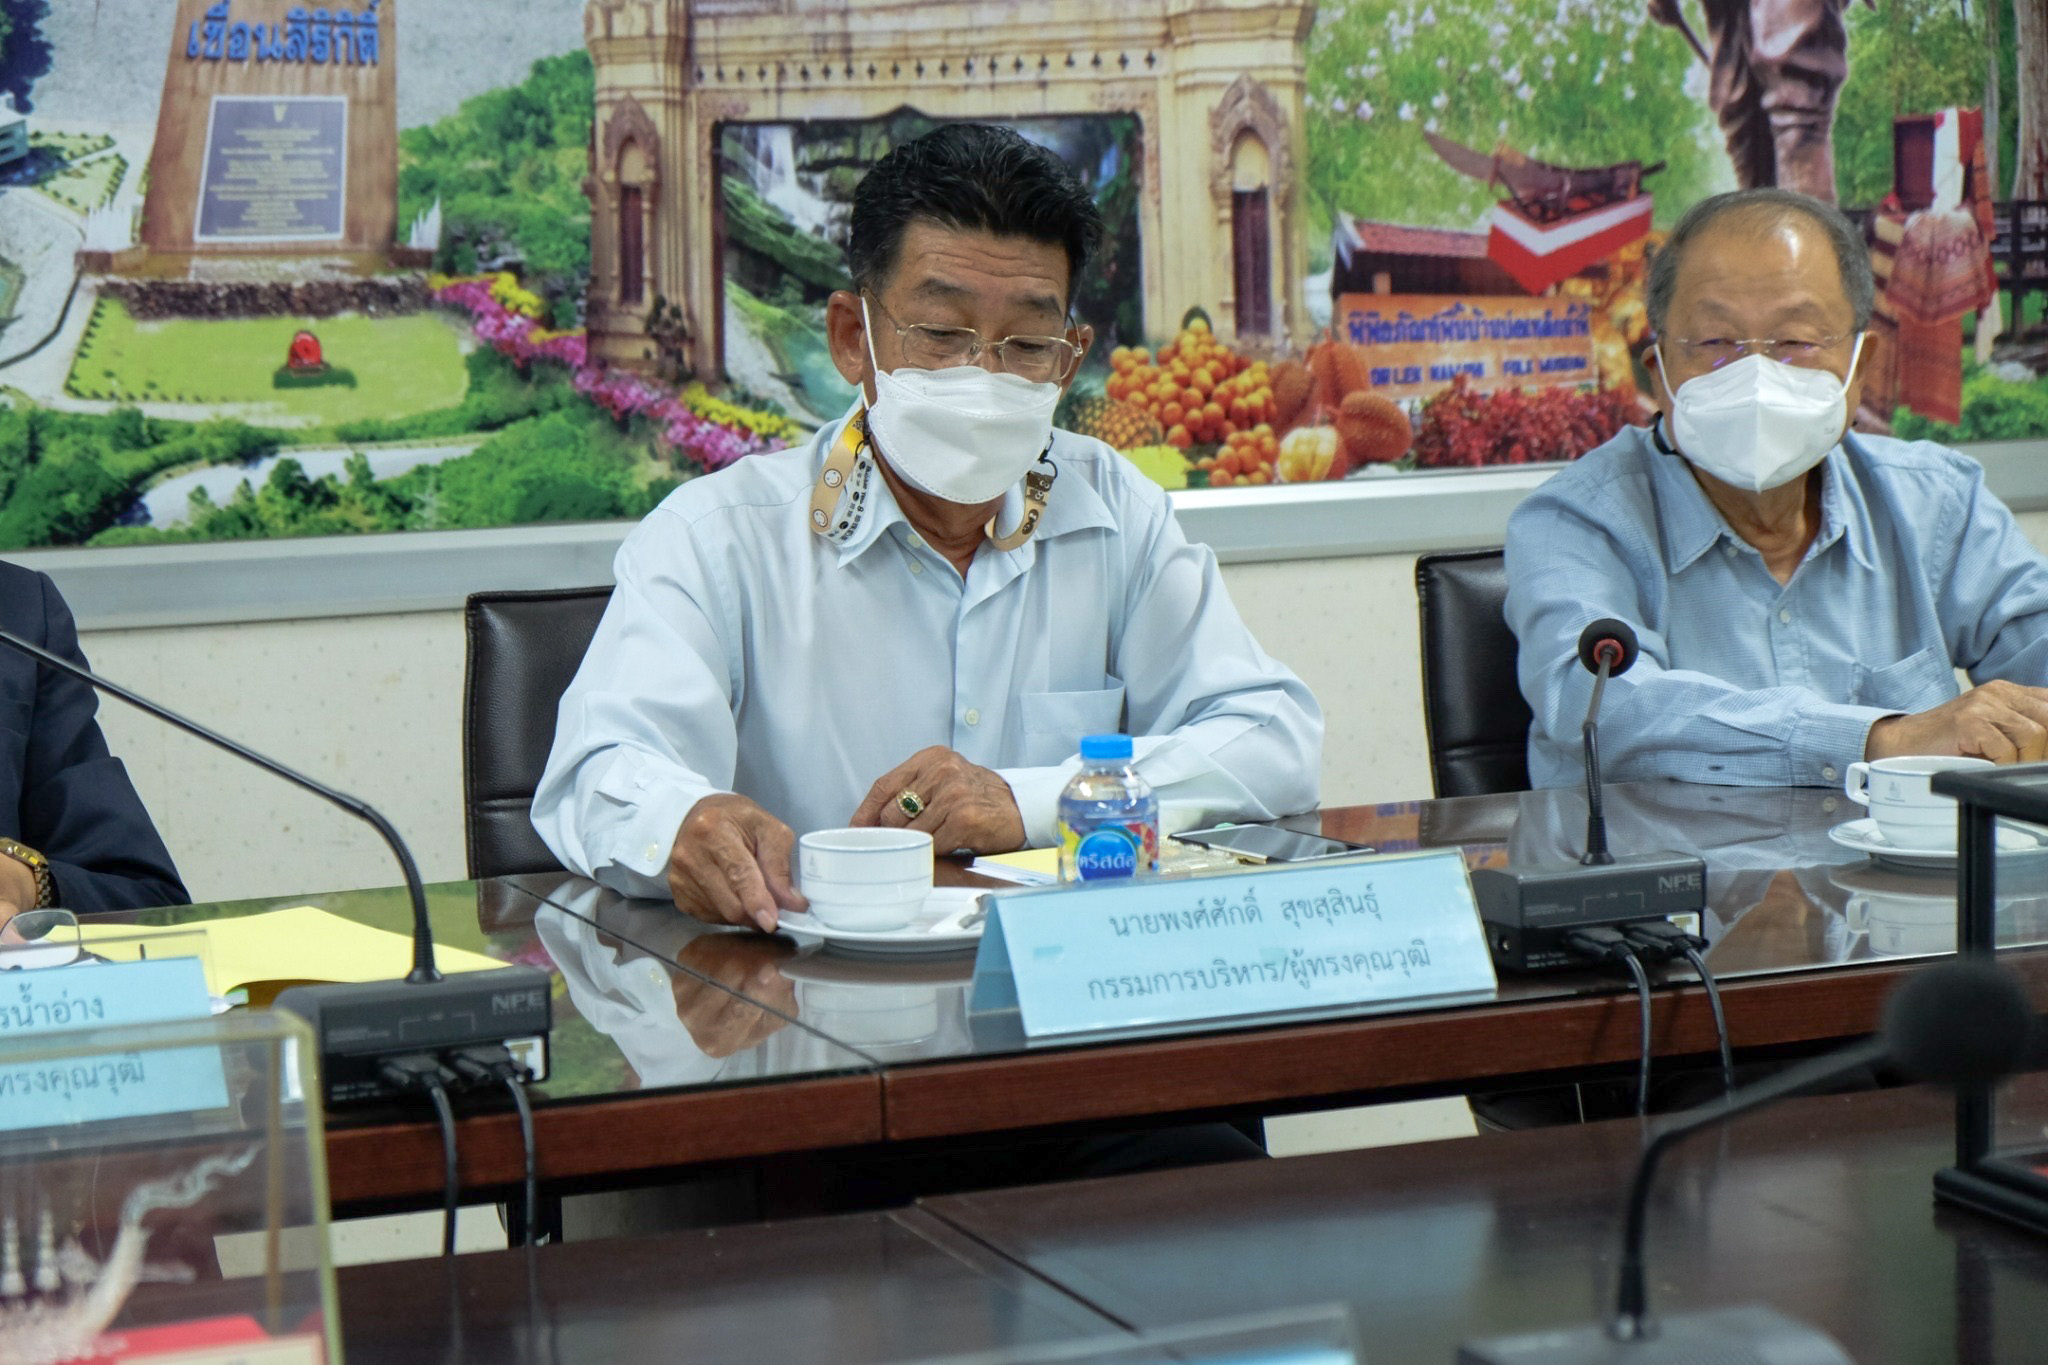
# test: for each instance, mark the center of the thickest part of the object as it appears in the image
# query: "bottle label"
(1110, 850)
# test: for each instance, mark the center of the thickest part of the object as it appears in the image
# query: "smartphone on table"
(1271, 844)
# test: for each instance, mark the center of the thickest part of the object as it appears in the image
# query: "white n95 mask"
(1758, 423)
(961, 434)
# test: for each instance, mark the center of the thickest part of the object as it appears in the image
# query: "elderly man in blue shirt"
(1803, 595)
(914, 619)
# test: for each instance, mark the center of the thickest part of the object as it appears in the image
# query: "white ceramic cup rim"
(1916, 765)
(865, 841)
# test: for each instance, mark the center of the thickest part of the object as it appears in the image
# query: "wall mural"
(272, 269)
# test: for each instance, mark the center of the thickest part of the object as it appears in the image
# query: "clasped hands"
(731, 861)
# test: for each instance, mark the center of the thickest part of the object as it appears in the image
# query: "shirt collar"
(1073, 505)
(1692, 525)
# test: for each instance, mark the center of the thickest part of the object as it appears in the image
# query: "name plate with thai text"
(42, 1086)
(1159, 951)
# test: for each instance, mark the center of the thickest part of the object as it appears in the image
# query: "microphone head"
(1615, 639)
(1961, 1024)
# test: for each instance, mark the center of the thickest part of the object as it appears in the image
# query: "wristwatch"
(46, 887)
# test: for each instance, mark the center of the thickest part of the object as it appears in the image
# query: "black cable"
(1699, 964)
(450, 1185)
(1660, 940)
(482, 1065)
(1602, 943)
(1634, 964)
(532, 1231)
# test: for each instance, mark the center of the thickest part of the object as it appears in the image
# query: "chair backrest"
(524, 648)
(1477, 722)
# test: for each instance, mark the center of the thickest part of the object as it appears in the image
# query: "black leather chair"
(1472, 707)
(524, 647)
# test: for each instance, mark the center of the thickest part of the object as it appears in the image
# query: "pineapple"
(1114, 423)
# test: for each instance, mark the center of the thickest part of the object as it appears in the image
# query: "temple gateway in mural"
(1215, 90)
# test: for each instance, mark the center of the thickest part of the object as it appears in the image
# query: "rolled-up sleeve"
(1221, 729)
(646, 729)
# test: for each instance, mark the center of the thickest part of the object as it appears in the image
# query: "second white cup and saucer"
(1910, 825)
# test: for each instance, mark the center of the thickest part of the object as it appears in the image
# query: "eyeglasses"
(1713, 352)
(39, 938)
(1040, 359)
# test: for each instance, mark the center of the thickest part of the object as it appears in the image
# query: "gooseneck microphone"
(423, 970)
(379, 1039)
(1536, 913)
(1607, 648)
(1962, 1024)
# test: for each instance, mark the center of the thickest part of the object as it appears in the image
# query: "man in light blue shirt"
(913, 619)
(1803, 595)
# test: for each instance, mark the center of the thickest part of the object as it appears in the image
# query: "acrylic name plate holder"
(1156, 952)
(163, 1187)
(1321, 1334)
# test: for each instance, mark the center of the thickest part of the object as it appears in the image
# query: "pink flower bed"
(622, 394)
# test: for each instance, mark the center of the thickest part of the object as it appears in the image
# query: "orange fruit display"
(1195, 385)
(1247, 457)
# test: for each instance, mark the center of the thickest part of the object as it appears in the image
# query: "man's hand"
(2001, 721)
(17, 887)
(965, 806)
(723, 1021)
(730, 864)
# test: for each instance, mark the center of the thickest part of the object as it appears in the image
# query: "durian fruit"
(1114, 423)
(1373, 428)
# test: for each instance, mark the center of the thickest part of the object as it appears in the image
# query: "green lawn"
(86, 186)
(401, 365)
(70, 146)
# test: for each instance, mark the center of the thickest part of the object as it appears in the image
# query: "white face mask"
(1758, 423)
(961, 434)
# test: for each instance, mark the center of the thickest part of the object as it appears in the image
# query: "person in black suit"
(73, 832)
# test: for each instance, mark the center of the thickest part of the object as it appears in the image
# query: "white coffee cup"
(871, 1014)
(864, 880)
(1902, 925)
(1908, 812)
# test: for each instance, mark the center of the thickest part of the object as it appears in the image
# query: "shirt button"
(1728, 549)
(1831, 805)
(916, 541)
(916, 567)
(973, 717)
(1785, 616)
(653, 852)
(1828, 772)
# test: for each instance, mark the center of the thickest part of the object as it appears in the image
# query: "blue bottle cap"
(1105, 746)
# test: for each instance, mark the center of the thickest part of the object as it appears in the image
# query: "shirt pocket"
(1053, 722)
(1915, 683)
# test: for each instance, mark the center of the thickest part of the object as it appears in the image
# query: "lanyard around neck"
(849, 473)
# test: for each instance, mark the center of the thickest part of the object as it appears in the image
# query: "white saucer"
(934, 928)
(1864, 837)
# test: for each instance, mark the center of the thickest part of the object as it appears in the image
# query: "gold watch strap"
(46, 886)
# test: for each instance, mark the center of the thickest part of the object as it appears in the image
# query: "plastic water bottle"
(1109, 818)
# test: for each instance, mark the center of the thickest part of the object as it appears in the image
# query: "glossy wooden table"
(1820, 1208)
(599, 1118)
(677, 1045)
(848, 1291)
(1795, 977)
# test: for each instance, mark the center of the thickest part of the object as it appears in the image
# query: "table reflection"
(743, 1003)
